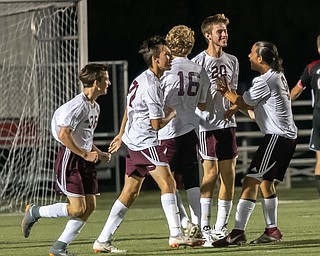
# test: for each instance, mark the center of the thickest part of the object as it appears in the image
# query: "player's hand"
(115, 144)
(170, 112)
(222, 85)
(105, 156)
(230, 112)
(251, 114)
(91, 156)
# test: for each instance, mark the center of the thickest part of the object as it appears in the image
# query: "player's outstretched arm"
(296, 91)
(101, 154)
(117, 141)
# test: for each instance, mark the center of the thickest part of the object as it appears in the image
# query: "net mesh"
(39, 57)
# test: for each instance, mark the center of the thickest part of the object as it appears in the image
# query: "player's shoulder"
(188, 65)
(76, 104)
(199, 57)
(230, 57)
(143, 78)
(79, 99)
(313, 64)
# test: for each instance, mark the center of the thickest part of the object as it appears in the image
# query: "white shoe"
(219, 234)
(106, 247)
(207, 236)
(176, 241)
(192, 231)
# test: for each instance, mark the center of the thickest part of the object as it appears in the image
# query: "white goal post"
(42, 46)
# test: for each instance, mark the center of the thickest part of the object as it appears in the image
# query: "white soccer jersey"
(144, 102)
(270, 97)
(185, 85)
(226, 65)
(81, 116)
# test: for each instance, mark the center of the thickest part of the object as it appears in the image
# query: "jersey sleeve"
(257, 92)
(70, 115)
(305, 77)
(235, 75)
(205, 84)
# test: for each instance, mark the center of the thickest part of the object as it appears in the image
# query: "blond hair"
(180, 40)
(206, 26)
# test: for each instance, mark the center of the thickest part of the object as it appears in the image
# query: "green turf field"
(144, 230)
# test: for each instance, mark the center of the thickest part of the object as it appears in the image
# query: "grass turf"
(144, 230)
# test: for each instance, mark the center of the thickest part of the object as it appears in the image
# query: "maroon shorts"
(75, 176)
(272, 158)
(182, 154)
(218, 144)
(139, 163)
(182, 151)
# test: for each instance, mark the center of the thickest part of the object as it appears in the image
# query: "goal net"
(39, 62)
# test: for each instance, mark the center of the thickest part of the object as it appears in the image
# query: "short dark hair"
(152, 47)
(91, 72)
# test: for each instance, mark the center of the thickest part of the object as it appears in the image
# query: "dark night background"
(118, 27)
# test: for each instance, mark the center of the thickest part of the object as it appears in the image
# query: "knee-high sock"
(224, 209)
(270, 210)
(169, 205)
(205, 211)
(114, 220)
(72, 229)
(194, 204)
(53, 210)
(184, 219)
(244, 210)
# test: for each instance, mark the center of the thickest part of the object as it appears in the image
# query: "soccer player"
(185, 88)
(73, 125)
(269, 97)
(218, 147)
(145, 114)
(311, 78)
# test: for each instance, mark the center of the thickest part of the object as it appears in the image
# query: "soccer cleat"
(106, 247)
(59, 252)
(236, 237)
(28, 220)
(207, 236)
(192, 231)
(176, 241)
(269, 235)
(219, 234)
